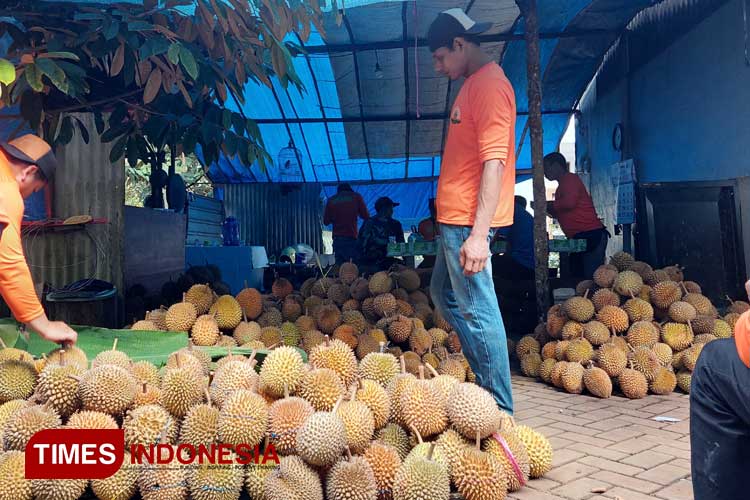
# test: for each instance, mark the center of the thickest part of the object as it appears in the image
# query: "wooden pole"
(541, 249)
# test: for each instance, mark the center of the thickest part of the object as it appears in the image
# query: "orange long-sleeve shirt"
(742, 337)
(16, 285)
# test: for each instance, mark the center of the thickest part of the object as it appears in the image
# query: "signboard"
(625, 177)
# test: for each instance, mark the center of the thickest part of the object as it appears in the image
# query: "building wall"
(689, 111)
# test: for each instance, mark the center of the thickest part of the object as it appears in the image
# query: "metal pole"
(541, 249)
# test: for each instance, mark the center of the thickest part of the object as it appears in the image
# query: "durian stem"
(479, 441)
(348, 454)
(177, 359)
(144, 388)
(114, 346)
(421, 372)
(77, 379)
(432, 449)
(62, 357)
(338, 403)
(2, 343)
(382, 347)
(432, 370)
(416, 432)
(353, 392)
(403, 364)
(286, 390)
(586, 294)
(252, 355)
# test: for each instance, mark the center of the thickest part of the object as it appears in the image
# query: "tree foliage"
(155, 75)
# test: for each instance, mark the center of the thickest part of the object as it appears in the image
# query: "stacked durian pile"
(358, 419)
(631, 327)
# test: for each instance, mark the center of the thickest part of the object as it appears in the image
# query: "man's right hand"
(747, 289)
(54, 331)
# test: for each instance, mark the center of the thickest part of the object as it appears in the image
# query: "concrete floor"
(607, 448)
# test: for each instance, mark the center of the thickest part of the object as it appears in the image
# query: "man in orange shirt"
(474, 197)
(574, 210)
(342, 211)
(26, 165)
(720, 415)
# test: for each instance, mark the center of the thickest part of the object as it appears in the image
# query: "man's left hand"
(473, 255)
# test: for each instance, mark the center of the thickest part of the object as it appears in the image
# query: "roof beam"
(387, 118)
(359, 95)
(406, 87)
(422, 42)
(520, 171)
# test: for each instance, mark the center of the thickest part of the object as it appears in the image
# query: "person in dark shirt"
(375, 235)
(518, 262)
(342, 210)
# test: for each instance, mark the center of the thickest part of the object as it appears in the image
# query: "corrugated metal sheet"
(205, 216)
(275, 215)
(86, 184)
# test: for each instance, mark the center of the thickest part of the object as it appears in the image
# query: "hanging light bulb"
(378, 70)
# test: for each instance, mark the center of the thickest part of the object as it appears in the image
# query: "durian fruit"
(556, 320)
(665, 293)
(285, 417)
(572, 330)
(255, 478)
(684, 379)
(579, 351)
(380, 283)
(291, 310)
(232, 376)
(147, 395)
(305, 323)
(338, 293)
(642, 333)
(181, 316)
(633, 383)
(270, 317)
(367, 344)
(13, 482)
(613, 318)
(527, 345)
(472, 409)
(423, 407)
(645, 361)
(91, 420)
(497, 444)
(347, 335)
(376, 398)
(200, 425)
(545, 369)
(572, 378)
(628, 283)
(677, 335)
(479, 475)
(328, 318)
(690, 356)
(72, 355)
(355, 319)
(394, 435)
(208, 482)
(579, 309)
(351, 479)
(321, 387)
(548, 351)
(722, 330)
(557, 373)
(385, 305)
(271, 336)
(281, 287)
(145, 373)
(737, 306)
(322, 438)
(701, 303)
(638, 310)
(108, 389)
(731, 319)
(283, 367)
(58, 489)
(622, 261)
(620, 342)
(18, 379)
(26, 422)
(348, 272)
(538, 449)
(596, 333)
(379, 366)
(605, 275)
(182, 388)
(420, 341)
(337, 356)
(409, 280)
(682, 312)
(664, 381)
(158, 317)
(663, 352)
(243, 419)
(585, 286)
(293, 479)
(205, 331)
(7, 410)
(605, 297)
(530, 364)
(201, 296)
(384, 461)
(164, 481)
(422, 478)
(611, 359)
(227, 311)
(597, 382)
(112, 357)
(144, 326)
(146, 424)
(560, 349)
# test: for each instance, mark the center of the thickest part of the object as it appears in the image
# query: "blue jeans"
(470, 305)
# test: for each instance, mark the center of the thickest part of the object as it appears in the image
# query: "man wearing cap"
(26, 165)
(375, 235)
(474, 197)
(342, 211)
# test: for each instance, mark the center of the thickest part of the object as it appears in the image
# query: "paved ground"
(607, 448)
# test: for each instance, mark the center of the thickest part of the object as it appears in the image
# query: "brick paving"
(609, 449)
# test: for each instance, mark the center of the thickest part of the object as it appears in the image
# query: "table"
(238, 264)
(497, 247)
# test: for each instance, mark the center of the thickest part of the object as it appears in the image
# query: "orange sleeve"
(742, 337)
(16, 285)
(493, 111)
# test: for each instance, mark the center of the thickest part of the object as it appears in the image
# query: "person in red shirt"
(720, 415)
(26, 166)
(574, 210)
(428, 229)
(343, 210)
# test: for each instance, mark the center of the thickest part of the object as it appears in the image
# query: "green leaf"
(238, 123)
(115, 132)
(54, 72)
(226, 119)
(99, 121)
(34, 77)
(31, 108)
(140, 26)
(173, 54)
(252, 128)
(118, 149)
(188, 62)
(85, 16)
(66, 131)
(132, 153)
(84, 131)
(7, 72)
(111, 31)
(60, 55)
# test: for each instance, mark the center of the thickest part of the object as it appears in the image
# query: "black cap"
(384, 202)
(450, 24)
(33, 150)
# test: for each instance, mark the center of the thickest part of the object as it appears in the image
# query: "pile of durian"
(358, 419)
(631, 327)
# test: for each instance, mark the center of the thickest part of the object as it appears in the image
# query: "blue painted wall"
(690, 113)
